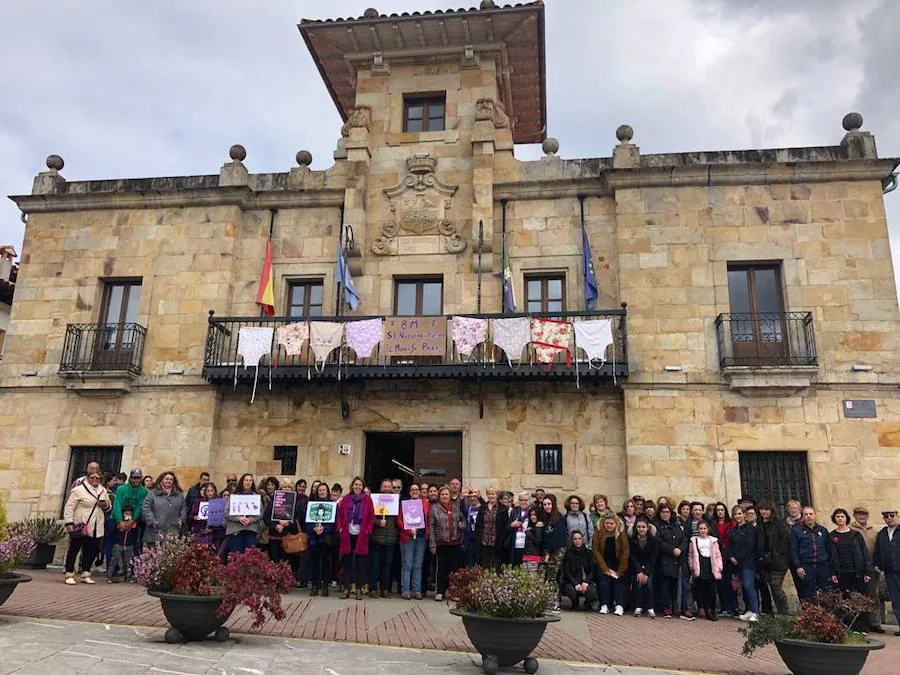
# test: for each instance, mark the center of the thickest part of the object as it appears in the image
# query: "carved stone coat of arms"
(419, 205)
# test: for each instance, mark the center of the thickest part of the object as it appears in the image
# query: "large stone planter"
(192, 617)
(815, 658)
(504, 642)
(8, 585)
(42, 556)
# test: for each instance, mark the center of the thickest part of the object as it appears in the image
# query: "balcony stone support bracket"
(99, 383)
(770, 380)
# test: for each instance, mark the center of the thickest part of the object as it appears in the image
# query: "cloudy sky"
(124, 89)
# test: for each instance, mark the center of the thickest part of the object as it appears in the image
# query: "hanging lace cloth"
(324, 338)
(253, 344)
(512, 336)
(291, 337)
(593, 338)
(468, 333)
(363, 336)
(548, 338)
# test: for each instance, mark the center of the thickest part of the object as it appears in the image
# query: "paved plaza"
(428, 634)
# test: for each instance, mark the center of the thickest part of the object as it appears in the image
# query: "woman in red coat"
(355, 519)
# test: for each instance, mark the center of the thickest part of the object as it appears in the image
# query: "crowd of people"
(653, 557)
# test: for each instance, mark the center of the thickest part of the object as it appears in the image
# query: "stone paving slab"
(427, 625)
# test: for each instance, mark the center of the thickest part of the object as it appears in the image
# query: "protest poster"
(244, 505)
(413, 515)
(321, 512)
(283, 504)
(215, 513)
(202, 510)
(386, 504)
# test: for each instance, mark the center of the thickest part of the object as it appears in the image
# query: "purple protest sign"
(413, 515)
(215, 513)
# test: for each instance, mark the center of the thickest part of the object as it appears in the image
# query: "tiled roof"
(402, 15)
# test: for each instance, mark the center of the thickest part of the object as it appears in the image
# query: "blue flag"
(587, 267)
(509, 292)
(343, 274)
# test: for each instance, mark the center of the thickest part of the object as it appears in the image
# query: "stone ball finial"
(237, 152)
(550, 146)
(371, 13)
(55, 163)
(624, 133)
(852, 121)
(488, 4)
(304, 158)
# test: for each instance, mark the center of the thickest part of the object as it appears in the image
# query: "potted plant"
(45, 532)
(504, 614)
(198, 593)
(818, 639)
(15, 547)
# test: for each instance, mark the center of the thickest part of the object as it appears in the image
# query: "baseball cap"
(137, 473)
(889, 512)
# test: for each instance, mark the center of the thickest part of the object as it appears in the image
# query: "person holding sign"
(355, 520)
(384, 538)
(198, 519)
(413, 542)
(322, 536)
(279, 518)
(243, 513)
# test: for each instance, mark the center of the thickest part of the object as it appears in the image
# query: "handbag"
(295, 543)
(79, 530)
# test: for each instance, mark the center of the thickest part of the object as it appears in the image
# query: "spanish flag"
(265, 296)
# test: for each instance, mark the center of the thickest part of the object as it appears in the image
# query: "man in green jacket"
(131, 493)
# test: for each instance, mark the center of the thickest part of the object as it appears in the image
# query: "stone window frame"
(419, 280)
(557, 465)
(426, 99)
(287, 273)
(544, 278)
(449, 85)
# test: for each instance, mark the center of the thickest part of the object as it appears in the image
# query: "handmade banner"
(283, 503)
(215, 513)
(202, 511)
(244, 505)
(415, 336)
(413, 515)
(321, 512)
(386, 504)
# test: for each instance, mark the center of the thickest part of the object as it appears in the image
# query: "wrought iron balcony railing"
(93, 347)
(435, 355)
(766, 339)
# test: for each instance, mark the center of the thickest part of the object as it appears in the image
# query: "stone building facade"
(751, 294)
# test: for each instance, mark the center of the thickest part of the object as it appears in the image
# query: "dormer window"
(424, 112)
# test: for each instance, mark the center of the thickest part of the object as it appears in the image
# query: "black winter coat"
(742, 544)
(671, 536)
(772, 544)
(578, 565)
(643, 559)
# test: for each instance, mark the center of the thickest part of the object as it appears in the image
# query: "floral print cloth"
(253, 344)
(468, 333)
(292, 336)
(512, 336)
(363, 336)
(549, 337)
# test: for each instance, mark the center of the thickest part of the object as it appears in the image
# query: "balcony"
(435, 355)
(765, 353)
(102, 359)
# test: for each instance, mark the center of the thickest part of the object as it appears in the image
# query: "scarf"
(356, 508)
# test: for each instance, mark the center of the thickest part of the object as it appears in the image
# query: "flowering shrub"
(252, 580)
(462, 586)
(198, 572)
(155, 568)
(513, 593)
(828, 620)
(14, 550)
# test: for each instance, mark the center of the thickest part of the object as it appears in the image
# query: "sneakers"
(753, 618)
(619, 610)
(687, 616)
(604, 609)
(638, 611)
(746, 615)
(652, 614)
(667, 613)
(438, 597)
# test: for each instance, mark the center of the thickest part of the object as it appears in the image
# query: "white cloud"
(164, 88)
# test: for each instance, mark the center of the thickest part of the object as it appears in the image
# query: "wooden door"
(115, 333)
(438, 457)
(758, 330)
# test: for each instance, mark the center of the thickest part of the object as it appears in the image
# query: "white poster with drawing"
(244, 505)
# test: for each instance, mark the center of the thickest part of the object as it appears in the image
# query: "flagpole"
(340, 306)
(503, 260)
(480, 247)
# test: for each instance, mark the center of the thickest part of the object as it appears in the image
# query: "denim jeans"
(818, 577)
(748, 579)
(892, 580)
(241, 541)
(612, 591)
(412, 553)
(382, 555)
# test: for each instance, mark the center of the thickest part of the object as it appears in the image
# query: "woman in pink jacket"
(705, 559)
(355, 519)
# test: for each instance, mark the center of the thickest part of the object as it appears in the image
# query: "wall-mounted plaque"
(863, 408)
